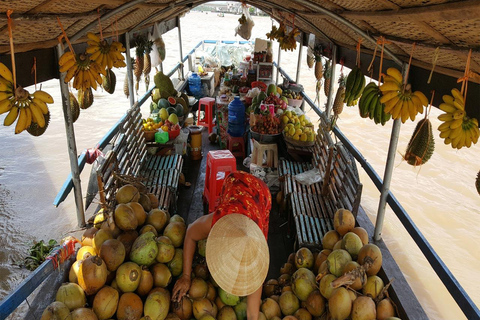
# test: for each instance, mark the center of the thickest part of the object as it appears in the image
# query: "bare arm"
(253, 304)
(198, 230)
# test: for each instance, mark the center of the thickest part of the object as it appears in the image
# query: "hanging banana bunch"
(84, 71)
(327, 77)
(285, 39)
(20, 104)
(107, 55)
(147, 66)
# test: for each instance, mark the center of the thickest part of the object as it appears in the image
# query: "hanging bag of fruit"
(244, 29)
(158, 46)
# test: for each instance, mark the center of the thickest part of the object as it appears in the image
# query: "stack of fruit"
(297, 128)
(339, 282)
(266, 124)
(278, 102)
(294, 98)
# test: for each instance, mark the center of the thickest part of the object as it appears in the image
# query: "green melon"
(179, 110)
(171, 110)
(163, 103)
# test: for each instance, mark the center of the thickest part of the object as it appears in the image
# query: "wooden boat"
(334, 26)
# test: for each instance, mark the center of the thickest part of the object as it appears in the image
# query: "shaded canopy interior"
(451, 26)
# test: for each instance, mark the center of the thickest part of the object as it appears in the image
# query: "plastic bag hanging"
(244, 29)
(158, 48)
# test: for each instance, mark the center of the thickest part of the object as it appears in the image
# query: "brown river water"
(440, 196)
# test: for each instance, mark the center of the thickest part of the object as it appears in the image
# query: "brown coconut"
(212, 292)
(153, 200)
(148, 228)
(176, 218)
(73, 273)
(289, 303)
(57, 310)
(157, 218)
(385, 309)
(302, 314)
(352, 265)
(271, 287)
(176, 232)
(321, 256)
(325, 286)
(128, 238)
(130, 306)
(373, 286)
(372, 252)
(201, 271)
(127, 193)
(157, 305)
(92, 274)
(363, 308)
(362, 233)
(183, 309)
(166, 250)
(202, 307)
(304, 258)
(198, 289)
(128, 276)
(330, 238)
(125, 218)
(340, 304)
(343, 221)
(162, 276)
(88, 236)
(352, 243)
(226, 313)
(270, 308)
(139, 212)
(315, 303)
(112, 252)
(287, 268)
(83, 314)
(72, 295)
(100, 237)
(145, 202)
(105, 302)
(338, 245)
(146, 282)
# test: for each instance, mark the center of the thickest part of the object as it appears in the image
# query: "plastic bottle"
(236, 118)
(195, 85)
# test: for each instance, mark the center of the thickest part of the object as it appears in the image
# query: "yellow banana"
(417, 103)
(6, 73)
(461, 142)
(457, 95)
(468, 138)
(91, 79)
(456, 123)
(5, 86)
(41, 104)
(449, 108)
(455, 132)
(475, 121)
(390, 78)
(394, 72)
(67, 56)
(70, 73)
(95, 55)
(5, 106)
(445, 134)
(475, 134)
(69, 64)
(93, 36)
(412, 110)
(422, 97)
(445, 117)
(11, 116)
(22, 121)
(92, 49)
(389, 86)
(445, 126)
(44, 96)
(29, 117)
(389, 105)
(390, 95)
(447, 140)
(447, 99)
(5, 95)
(405, 111)
(459, 105)
(459, 114)
(395, 112)
(37, 115)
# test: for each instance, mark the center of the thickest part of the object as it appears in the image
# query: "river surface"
(440, 196)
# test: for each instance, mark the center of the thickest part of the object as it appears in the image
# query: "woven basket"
(298, 143)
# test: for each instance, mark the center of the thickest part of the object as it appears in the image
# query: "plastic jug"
(195, 85)
(236, 118)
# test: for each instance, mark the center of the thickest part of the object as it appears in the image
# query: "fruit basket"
(295, 102)
(172, 134)
(264, 138)
(298, 143)
(149, 135)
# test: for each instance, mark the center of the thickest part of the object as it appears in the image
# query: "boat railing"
(451, 283)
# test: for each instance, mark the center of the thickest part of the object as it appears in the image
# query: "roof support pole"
(299, 62)
(131, 90)
(180, 47)
(387, 177)
(72, 147)
(333, 81)
(278, 62)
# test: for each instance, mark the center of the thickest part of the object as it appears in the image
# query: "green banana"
(385, 116)
(378, 112)
(365, 101)
(371, 107)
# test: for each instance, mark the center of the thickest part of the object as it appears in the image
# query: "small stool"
(219, 164)
(271, 151)
(236, 145)
(208, 105)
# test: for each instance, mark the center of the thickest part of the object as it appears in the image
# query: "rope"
(381, 41)
(62, 253)
(408, 68)
(64, 35)
(12, 50)
(465, 77)
(434, 63)
(34, 71)
(359, 45)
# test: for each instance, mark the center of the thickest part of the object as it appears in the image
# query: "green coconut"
(156, 306)
(303, 283)
(144, 250)
(228, 298)
(337, 260)
(176, 264)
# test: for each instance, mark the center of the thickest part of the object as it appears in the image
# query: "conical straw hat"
(237, 254)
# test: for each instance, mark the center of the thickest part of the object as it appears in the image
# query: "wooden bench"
(129, 157)
(313, 206)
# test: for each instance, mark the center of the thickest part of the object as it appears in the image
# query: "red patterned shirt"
(245, 194)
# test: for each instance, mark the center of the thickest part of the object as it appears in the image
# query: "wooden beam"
(460, 10)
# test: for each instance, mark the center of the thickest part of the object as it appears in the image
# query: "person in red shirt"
(236, 248)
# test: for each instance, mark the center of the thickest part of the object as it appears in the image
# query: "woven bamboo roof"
(450, 25)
